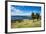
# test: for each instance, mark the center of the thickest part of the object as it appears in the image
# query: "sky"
(24, 10)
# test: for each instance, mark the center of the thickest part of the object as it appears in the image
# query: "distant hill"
(20, 17)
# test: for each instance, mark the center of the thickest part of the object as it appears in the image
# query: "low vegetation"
(26, 24)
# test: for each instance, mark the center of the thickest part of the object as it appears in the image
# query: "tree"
(33, 16)
(37, 16)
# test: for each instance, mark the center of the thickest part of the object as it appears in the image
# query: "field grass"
(26, 24)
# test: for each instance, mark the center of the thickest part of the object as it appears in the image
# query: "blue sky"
(24, 10)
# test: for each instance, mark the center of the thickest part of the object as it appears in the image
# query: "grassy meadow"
(26, 24)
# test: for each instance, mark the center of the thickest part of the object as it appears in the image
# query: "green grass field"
(26, 24)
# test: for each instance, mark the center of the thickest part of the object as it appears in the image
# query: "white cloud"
(16, 12)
